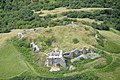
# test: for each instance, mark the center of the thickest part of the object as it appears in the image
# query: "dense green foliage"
(18, 13)
(110, 18)
(46, 42)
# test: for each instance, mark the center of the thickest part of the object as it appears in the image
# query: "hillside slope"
(63, 39)
(59, 24)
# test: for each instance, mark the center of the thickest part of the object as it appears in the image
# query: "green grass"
(11, 61)
(115, 63)
(66, 36)
(111, 71)
(111, 36)
(112, 43)
(112, 47)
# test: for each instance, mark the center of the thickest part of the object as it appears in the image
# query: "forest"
(18, 14)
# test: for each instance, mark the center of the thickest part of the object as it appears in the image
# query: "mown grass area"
(11, 61)
(111, 71)
(112, 42)
(112, 47)
(111, 36)
(114, 64)
(97, 64)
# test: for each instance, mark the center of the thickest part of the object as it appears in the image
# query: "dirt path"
(31, 68)
(61, 10)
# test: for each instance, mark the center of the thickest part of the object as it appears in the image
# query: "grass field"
(112, 43)
(111, 36)
(6, 36)
(11, 61)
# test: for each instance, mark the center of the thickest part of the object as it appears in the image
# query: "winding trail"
(31, 68)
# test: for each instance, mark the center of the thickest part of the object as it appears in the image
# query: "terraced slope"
(62, 10)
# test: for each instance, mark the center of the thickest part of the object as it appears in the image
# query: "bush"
(50, 40)
(75, 41)
(117, 27)
(102, 26)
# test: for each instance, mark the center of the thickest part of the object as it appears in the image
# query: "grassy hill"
(62, 38)
(62, 24)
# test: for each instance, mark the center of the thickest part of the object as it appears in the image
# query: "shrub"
(117, 27)
(75, 41)
(102, 26)
(49, 41)
(49, 31)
